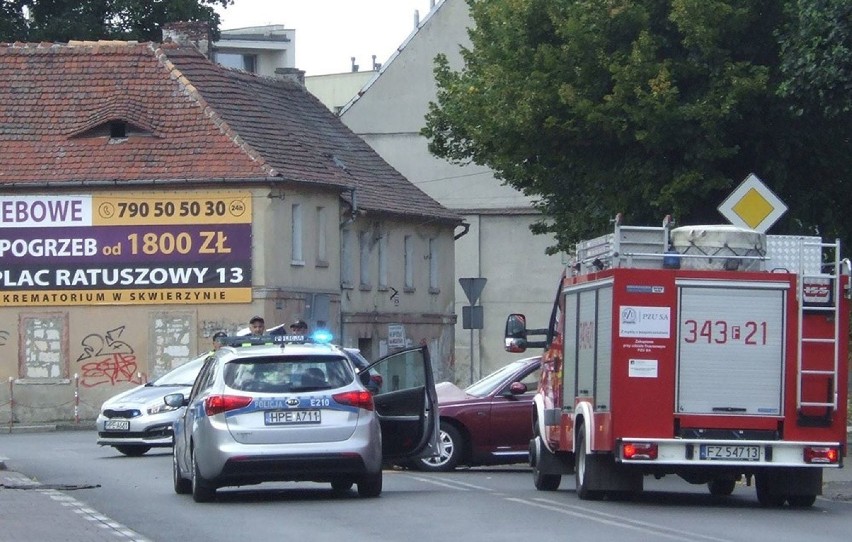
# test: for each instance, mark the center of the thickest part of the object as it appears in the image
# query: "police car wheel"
(202, 491)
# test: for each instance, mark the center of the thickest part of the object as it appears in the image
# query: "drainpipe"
(353, 214)
(464, 232)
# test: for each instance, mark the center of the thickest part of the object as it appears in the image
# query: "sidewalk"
(33, 512)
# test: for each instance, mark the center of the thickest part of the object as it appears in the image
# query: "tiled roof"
(52, 94)
(199, 122)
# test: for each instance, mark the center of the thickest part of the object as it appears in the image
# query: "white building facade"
(389, 113)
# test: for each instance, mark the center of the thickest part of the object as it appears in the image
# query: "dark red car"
(490, 421)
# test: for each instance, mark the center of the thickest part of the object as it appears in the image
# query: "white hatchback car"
(263, 411)
(136, 420)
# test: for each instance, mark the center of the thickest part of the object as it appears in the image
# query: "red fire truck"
(715, 353)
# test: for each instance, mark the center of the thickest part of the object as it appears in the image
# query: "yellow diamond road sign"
(753, 205)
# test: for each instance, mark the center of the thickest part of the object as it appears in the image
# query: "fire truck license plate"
(735, 453)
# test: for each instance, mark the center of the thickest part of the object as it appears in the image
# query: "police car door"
(407, 404)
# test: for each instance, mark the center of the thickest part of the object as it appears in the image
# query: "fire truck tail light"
(815, 454)
(639, 450)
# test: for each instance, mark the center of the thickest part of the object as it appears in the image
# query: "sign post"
(472, 316)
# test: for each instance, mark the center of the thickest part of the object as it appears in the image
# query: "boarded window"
(383, 261)
(409, 261)
(44, 346)
(296, 256)
(346, 258)
(364, 246)
(172, 341)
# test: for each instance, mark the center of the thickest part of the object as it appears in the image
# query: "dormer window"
(118, 129)
(116, 123)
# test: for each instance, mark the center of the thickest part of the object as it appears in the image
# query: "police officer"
(257, 326)
(299, 327)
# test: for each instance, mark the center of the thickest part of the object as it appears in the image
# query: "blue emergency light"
(322, 336)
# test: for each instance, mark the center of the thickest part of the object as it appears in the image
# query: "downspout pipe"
(464, 232)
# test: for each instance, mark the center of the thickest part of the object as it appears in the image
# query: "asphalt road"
(476, 504)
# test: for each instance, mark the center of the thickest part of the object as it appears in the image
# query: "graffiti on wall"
(107, 360)
(4, 336)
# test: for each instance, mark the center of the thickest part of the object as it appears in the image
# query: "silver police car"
(284, 409)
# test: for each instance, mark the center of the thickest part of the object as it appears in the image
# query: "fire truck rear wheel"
(721, 487)
(586, 470)
(801, 501)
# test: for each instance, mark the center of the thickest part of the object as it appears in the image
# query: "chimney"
(294, 74)
(354, 66)
(195, 33)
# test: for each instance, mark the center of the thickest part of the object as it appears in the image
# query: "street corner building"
(150, 198)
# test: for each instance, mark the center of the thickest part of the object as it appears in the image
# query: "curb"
(47, 427)
(39, 428)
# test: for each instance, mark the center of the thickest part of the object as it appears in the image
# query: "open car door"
(407, 404)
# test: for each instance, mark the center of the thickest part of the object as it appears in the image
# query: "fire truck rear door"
(731, 347)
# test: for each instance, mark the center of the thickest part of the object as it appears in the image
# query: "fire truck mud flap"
(598, 475)
(547, 462)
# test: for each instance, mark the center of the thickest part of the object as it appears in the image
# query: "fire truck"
(715, 353)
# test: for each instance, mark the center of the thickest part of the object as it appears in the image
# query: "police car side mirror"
(175, 400)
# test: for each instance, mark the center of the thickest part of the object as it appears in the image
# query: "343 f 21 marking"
(723, 332)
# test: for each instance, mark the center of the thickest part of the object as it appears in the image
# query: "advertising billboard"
(125, 248)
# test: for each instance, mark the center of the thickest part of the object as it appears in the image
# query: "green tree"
(12, 22)
(644, 107)
(817, 56)
(134, 20)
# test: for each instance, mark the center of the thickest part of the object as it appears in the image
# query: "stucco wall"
(380, 316)
(61, 362)
(499, 245)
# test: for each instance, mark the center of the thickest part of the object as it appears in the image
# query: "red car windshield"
(490, 383)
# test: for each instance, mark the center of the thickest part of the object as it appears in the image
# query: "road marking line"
(465, 484)
(615, 520)
(437, 483)
(119, 530)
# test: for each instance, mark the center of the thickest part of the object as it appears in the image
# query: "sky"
(330, 32)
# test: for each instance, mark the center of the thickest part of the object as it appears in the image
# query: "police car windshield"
(288, 374)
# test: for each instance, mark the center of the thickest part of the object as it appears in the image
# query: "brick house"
(149, 198)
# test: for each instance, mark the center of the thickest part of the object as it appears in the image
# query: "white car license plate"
(733, 453)
(117, 425)
(291, 417)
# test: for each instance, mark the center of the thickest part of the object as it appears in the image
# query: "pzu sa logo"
(816, 292)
